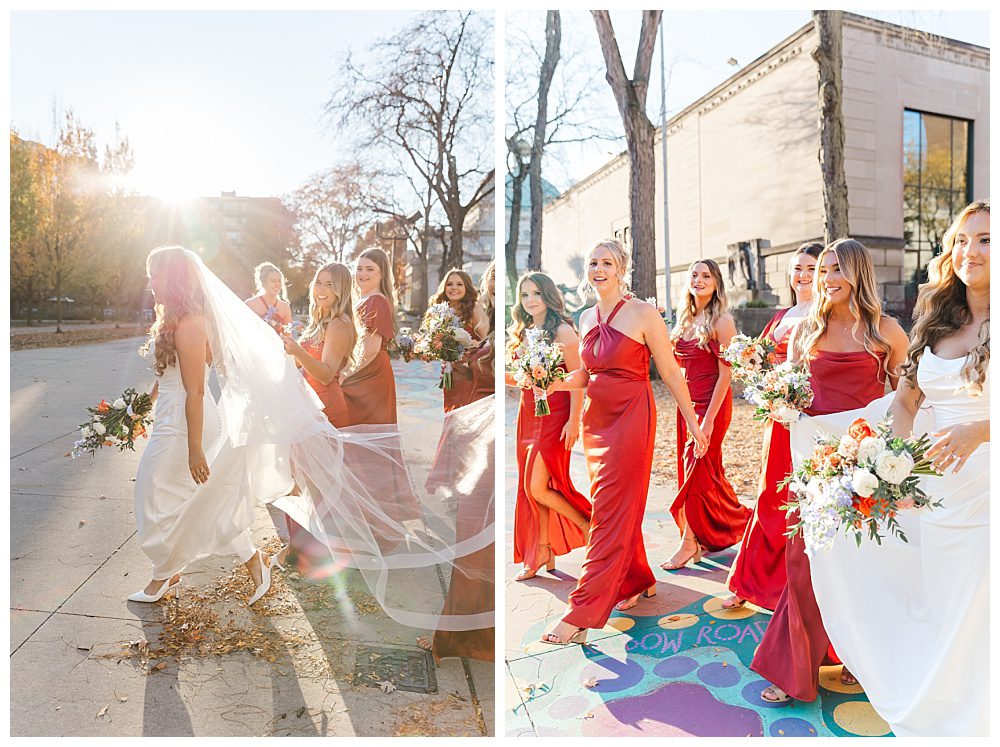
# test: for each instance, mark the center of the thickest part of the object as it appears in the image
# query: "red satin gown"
(371, 392)
(758, 573)
(540, 438)
(795, 643)
(471, 587)
(461, 382)
(708, 501)
(619, 427)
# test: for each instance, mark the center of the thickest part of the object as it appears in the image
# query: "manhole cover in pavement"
(408, 670)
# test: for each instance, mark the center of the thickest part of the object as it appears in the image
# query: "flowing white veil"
(356, 494)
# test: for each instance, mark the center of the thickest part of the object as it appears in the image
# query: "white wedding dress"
(910, 619)
(179, 521)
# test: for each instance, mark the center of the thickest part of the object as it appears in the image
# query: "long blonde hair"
(386, 286)
(341, 308)
(866, 308)
(488, 304)
(714, 310)
(260, 273)
(179, 296)
(943, 308)
(622, 258)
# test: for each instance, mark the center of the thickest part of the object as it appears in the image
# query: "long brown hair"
(943, 308)
(857, 268)
(813, 249)
(179, 296)
(386, 285)
(688, 310)
(555, 309)
(466, 303)
(342, 308)
(488, 304)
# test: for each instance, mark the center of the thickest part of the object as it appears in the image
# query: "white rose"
(85, 432)
(863, 482)
(785, 414)
(893, 468)
(100, 429)
(119, 404)
(464, 338)
(848, 448)
(869, 448)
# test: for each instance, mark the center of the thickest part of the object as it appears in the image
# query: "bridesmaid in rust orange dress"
(849, 358)
(458, 291)
(271, 301)
(551, 517)
(758, 573)
(619, 424)
(370, 387)
(706, 509)
(321, 352)
(471, 588)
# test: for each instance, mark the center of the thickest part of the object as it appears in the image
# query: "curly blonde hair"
(942, 308)
(179, 296)
(688, 310)
(622, 258)
(341, 308)
(856, 266)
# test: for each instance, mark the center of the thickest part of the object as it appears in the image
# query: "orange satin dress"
(332, 396)
(619, 427)
(371, 392)
(708, 500)
(795, 643)
(540, 437)
(758, 573)
(461, 382)
(483, 381)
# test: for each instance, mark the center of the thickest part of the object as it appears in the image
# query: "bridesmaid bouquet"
(442, 338)
(749, 356)
(294, 329)
(858, 483)
(536, 362)
(119, 423)
(780, 393)
(403, 344)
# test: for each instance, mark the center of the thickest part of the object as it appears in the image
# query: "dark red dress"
(539, 437)
(795, 643)
(371, 392)
(708, 501)
(758, 573)
(619, 427)
(461, 380)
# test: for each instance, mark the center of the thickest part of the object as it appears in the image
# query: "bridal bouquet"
(748, 356)
(780, 393)
(403, 344)
(858, 483)
(536, 362)
(442, 338)
(119, 423)
(294, 328)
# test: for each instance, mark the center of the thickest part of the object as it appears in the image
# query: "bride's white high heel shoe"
(265, 579)
(165, 588)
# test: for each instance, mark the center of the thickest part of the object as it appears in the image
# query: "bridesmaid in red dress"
(706, 509)
(758, 573)
(458, 291)
(620, 334)
(369, 386)
(551, 517)
(271, 301)
(322, 351)
(850, 355)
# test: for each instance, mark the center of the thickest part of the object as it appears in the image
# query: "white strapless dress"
(179, 521)
(910, 620)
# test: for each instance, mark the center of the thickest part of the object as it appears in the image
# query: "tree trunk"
(829, 64)
(422, 292)
(630, 96)
(59, 300)
(514, 230)
(553, 36)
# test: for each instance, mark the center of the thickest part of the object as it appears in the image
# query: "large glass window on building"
(936, 178)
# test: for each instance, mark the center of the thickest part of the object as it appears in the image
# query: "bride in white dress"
(208, 467)
(910, 619)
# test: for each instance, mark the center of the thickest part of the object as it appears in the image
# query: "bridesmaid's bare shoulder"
(566, 334)
(890, 328)
(725, 326)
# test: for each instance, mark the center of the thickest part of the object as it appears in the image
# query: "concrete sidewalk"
(674, 665)
(84, 662)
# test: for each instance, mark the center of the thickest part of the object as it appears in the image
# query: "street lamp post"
(663, 146)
